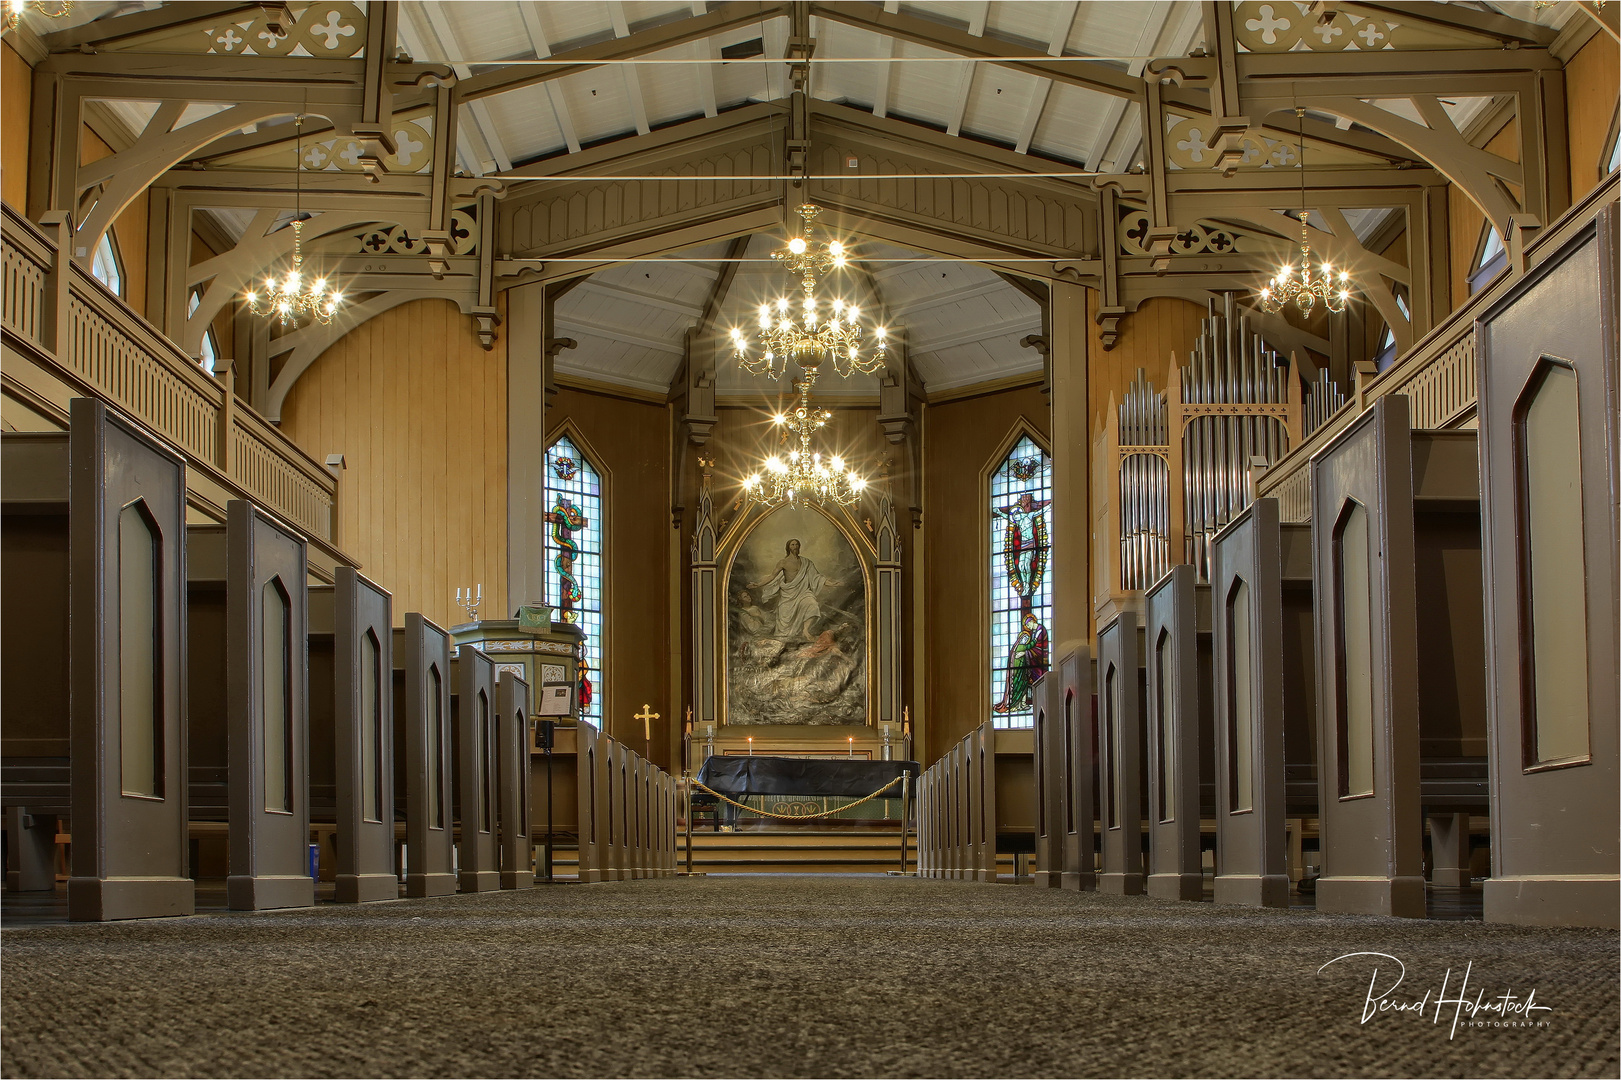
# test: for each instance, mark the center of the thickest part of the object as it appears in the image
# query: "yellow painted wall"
(419, 411)
(17, 94)
(1591, 81)
(960, 438)
(631, 443)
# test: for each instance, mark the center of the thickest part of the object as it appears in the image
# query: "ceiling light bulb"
(797, 246)
(837, 462)
(881, 332)
(836, 248)
(736, 334)
(782, 303)
(855, 312)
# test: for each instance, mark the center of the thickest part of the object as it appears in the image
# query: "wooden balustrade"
(1438, 374)
(99, 347)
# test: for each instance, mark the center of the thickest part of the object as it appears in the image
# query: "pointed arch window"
(1021, 587)
(1490, 258)
(574, 552)
(105, 265)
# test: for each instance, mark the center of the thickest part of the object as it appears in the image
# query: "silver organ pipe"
(1228, 366)
(1145, 542)
(1324, 398)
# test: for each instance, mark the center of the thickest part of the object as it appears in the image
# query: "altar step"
(870, 851)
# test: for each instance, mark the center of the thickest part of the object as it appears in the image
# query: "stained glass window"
(1021, 587)
(574, 560)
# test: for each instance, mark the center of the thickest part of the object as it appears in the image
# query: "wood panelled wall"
(630, 443)
(418, 409)
(1592, 78)
(17, 93)
(1161, 328)
(960, 439)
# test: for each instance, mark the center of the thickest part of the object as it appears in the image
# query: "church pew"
(364, 740)
(1246, 616)
(1179, 699)
(472, 713)
(1079, 797)
(956, 810)
(1548, 364)
(351, 758)
(1050, 773)
(35, 737)
(247, 620)
(1121, 761)
(1297, 665)
(424, 757)
(1401, 674)
(94, 521)
(591, 790)
(517, 850)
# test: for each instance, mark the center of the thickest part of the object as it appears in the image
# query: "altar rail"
(56, 314)
(1438, 374)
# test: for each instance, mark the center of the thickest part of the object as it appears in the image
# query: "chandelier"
(808, 330)
(51, 9)
(288, 299)
(1297, 285)
(802, 473)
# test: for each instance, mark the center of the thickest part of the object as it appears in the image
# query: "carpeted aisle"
(792, 976)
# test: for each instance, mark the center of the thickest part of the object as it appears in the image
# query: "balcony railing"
(1437, 374)
(53, 312)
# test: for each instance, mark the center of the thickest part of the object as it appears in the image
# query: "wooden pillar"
(1071, 449)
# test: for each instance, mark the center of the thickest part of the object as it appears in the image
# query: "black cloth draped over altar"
(736, 777)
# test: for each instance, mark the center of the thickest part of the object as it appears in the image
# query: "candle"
(751, 746)
(852, 741)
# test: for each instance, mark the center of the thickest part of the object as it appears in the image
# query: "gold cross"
(647, 716)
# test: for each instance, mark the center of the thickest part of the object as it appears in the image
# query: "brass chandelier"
(288, 299)
(51, 9)
(808, 330)
(1298, 286)
(801, 473)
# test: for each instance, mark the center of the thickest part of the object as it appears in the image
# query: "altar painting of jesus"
(796, 625)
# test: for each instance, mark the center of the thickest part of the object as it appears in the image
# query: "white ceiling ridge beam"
(965, 76)
(416, 42)
(483, 122)
(529, 12)
(598, 377)
(1022, 324)
(1153, 28)
(706, 78)
(633, 78)
(574, 324)
(614, 289)
(1063, 23)
(964, 292)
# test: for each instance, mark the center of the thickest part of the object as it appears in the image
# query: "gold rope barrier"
(798, 817)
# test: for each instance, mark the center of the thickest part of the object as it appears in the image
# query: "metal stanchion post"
(906, 793)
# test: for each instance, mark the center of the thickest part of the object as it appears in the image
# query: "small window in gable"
(1490, 259)
(106, 267)
(209, 353)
